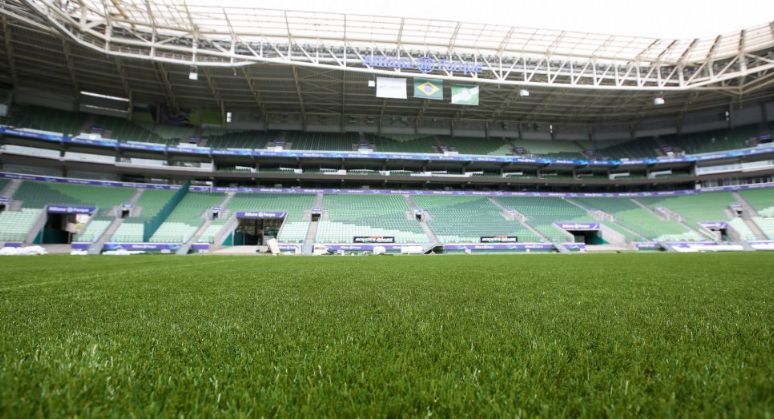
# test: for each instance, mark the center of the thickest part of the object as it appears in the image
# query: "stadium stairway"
(614, 238)
(96, 247)
(425, 227)
(186, 247)
(11, 188)
(748, 213)
(521, 221)
(670, 215)
(311, 232)
(33, 233)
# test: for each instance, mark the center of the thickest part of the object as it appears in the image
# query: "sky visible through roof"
(652, 18)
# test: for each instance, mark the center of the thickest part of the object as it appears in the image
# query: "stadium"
(636, 172)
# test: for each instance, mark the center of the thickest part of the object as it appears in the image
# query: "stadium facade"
(161, 126)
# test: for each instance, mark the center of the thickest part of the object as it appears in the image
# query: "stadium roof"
(313, 63)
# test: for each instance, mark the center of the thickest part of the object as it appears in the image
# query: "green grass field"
(481, 336)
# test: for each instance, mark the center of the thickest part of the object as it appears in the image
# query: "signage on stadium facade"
(261, 214)
(373, 239)
(422, 64)
(4, 199)
(499, 239)
(69, 209)
(578, 226)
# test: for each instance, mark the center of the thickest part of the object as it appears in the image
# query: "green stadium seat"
(464, 219)
(368, 215)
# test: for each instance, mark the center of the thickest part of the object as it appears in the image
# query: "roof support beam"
(9, 49)
(343, 97)
(124, 83)
(251, 84)
(71, 70)
(300, 96)
(164, 79)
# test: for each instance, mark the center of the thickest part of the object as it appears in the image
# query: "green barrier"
(153, 224)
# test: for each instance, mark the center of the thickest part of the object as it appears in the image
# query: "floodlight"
(658, 101)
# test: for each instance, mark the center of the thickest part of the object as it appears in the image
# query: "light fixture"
(193, 75)
(658, 101)
(228, 117)
(524, 93)
(371, 83)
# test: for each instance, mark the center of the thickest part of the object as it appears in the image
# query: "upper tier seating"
(368, 215)
(638, 148)
(122, 129)
(321, 141)
(403, 143)
(554, 149)
(464, 219)
(490, 146)
(45, 119)
(142, 128)
(241, 139)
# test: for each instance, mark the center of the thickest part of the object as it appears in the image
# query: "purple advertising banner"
(363, 247)
(141, 246)
(502, 246)
(647, 246)
(261, 214)
(79, 246)
(13, 244)
(69, 209)
(4, 199)
(575, 247)
(578, 226)
(200, 247)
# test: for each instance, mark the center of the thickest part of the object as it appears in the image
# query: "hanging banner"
(428, 89)
(464, 95)
(391, 87)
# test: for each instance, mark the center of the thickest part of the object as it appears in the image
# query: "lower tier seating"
(368, 215)
(186, 218)
(465, 219)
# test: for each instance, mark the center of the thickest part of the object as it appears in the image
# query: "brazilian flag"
(428, 89)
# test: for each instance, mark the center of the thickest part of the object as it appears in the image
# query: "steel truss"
(203, 37)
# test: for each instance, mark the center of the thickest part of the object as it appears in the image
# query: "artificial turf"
(480, 336)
